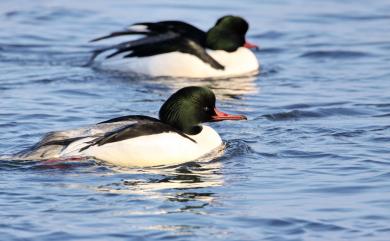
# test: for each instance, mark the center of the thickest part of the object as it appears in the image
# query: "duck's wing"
(159, 38)
(179, 44)
(51, 145)
(159, 28)
(129, 46)
(143, 127)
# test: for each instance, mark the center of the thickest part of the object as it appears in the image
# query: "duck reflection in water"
(224, 88)
(188, 183)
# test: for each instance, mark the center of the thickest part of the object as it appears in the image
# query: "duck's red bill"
(220, 116)
(250, 45)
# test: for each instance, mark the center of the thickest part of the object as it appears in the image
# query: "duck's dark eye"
(206, 109)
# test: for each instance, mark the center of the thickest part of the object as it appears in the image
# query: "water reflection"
(186, 183)
(224, 88)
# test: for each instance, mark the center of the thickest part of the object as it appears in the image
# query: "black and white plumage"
(175, 48)
(135, 140)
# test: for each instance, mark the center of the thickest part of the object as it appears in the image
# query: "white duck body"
(165, 148)
(177, 64)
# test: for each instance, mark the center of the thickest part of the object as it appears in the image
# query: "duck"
(179, 49)
(176, 137)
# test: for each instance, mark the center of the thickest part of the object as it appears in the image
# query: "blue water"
(311, 163)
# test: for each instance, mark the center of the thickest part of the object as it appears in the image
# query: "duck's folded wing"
(142, 128)
(191, 47)
(158, 28)
(160, 37)
(148, 29)
(131, 45)
(159, 44)
(53, 143)
(50, 146)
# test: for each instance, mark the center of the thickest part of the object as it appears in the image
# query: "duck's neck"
(185, 128)
(194, 130)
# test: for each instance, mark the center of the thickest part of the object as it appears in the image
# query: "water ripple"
(269, 35)
(311, 163)
(292, 115)
(319, 113)
(335, 54)
(356, 17)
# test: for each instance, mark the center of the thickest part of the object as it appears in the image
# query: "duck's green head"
(189, 107)
(228, 34)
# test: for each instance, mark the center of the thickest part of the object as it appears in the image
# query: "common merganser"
(175, 48)
(135, 140)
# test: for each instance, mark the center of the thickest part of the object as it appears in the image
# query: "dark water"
(311, 163)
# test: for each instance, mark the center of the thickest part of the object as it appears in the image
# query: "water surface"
(311, 163)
